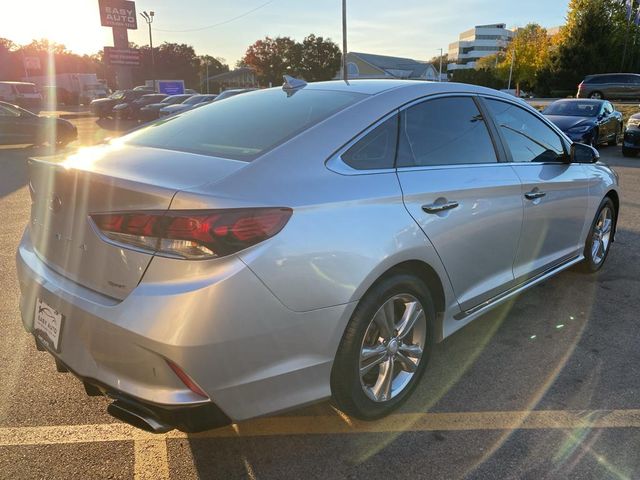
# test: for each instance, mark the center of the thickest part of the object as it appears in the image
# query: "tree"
(320, 59)
(272, 58)
(171, 61)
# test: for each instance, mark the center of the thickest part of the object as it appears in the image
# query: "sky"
(408, 28)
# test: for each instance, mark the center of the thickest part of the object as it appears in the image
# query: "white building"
(480, 41)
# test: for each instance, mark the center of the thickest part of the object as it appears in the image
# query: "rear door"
(15, 128)
(555, 193)
(467, 203)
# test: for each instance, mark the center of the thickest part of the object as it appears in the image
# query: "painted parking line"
(151, 450)
(329, 424)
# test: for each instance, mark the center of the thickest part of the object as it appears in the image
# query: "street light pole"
(148, 17)
(345, 74)
(513, 58)
(440, 72)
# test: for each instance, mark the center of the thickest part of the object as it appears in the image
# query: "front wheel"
(600, 237)
(385, 348)
(614, 141)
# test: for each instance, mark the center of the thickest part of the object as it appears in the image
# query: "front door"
(555, 193)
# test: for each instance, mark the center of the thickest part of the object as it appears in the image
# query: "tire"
(594, 257)
(356, 395)
(596, 95)
(614, 141)
(595, 138)
(629, 152)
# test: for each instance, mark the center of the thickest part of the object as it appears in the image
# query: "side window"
(376, 150)
(608, 108)
(8, 112)
(444, 131)
(528, 138)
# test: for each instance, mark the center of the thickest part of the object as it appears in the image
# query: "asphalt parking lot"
(546, 387)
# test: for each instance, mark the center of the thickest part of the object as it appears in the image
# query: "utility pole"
(148, 17)
(513, 59)
(440, 71)
(207, 76)
(345, 74)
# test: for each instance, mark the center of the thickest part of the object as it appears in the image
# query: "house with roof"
(368, 65)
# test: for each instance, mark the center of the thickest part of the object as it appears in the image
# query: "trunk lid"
(111, 178)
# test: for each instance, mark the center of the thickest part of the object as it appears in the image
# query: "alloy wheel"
(601, 237)
(392, 347)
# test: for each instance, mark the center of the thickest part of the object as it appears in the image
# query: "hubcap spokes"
(392, 348)
(601, 235)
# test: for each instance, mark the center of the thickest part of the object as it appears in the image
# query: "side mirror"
(581, 153)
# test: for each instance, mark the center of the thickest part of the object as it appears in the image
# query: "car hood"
(103, 101)
(565, 123)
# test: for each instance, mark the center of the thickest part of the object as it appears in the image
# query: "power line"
(220, 23)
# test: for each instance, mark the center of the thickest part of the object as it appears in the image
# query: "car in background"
(631, 140)
(191, 91)
(20, 126)
(593, 122)
(189, 104)
(232, 92)
(144, 88)
(610, 85)
(54, 95)
(207, 275)
(23, 94)
(103, 107)
(131, 110)
(151, 111)
(514, 92)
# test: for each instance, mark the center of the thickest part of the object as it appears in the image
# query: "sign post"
(120, 15)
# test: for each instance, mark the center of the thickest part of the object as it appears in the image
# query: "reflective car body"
(151, 111)
(233, 336)
(189, 104)
(631, 141)
(19, 126)
(593, 122)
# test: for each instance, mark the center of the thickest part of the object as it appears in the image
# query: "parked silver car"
(282, 247)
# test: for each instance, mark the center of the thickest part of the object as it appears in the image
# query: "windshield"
(175, 99)
(25, 88)
(196, 99)
(245, 126)
(574, 109)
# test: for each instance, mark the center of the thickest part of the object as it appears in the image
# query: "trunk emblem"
(55, 204)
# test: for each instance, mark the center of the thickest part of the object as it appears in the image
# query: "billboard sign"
(118, 13)
(125, 57)
(31, 63)
(171, 87)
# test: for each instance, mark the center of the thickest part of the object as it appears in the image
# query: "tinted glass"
(375, 150)
(244, 126)
(25, 88)
(608, 108)
(573, 108)
(6, 111)
(445, 131)
(528, 138)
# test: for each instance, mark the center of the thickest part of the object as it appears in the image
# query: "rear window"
(244, 126)
(25, 88)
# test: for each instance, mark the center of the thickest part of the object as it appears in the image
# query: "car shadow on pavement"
(13, 166)
(569, 343)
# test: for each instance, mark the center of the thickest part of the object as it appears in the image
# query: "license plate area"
(47, 325)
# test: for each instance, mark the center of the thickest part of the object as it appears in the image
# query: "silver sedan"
(290, 245)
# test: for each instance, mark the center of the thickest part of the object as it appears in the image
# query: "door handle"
(534, 195)
(439, 207)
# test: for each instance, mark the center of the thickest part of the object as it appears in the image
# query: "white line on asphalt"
(151, 450)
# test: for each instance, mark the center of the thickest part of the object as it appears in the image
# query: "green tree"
(272, 58)
(319, 59)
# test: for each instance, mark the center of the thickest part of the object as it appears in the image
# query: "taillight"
(192, 234)
(186, 379)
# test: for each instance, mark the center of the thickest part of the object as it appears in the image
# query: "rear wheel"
(600, 237)
(385, 348)
(595, 138)
(596, 95)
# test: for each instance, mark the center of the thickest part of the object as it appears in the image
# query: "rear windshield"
(25, 88)
(244, 126)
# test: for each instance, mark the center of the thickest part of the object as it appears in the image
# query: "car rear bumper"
(632, 140)
(227, 331)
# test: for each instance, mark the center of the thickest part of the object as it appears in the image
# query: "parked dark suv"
(610, 85)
